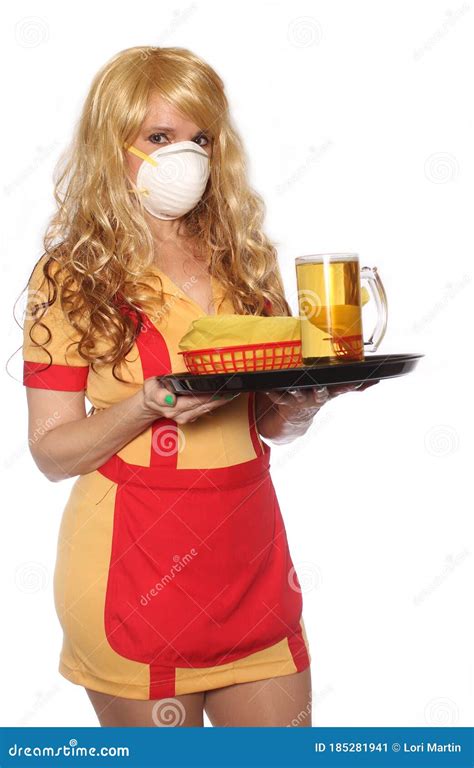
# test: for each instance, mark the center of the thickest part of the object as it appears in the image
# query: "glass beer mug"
(330, 307)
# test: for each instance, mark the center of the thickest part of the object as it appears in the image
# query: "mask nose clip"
(140, 154)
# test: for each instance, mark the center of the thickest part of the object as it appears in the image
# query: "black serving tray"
(373, 367)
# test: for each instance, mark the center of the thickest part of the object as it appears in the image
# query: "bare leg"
(278, 701)
(114, 711)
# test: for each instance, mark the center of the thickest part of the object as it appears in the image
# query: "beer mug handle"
(378, 292)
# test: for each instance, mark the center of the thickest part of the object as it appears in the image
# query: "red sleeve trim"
(62, 377)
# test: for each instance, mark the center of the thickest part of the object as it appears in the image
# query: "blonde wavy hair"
(98, 245)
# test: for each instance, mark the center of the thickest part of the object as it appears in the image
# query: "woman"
(173, 584)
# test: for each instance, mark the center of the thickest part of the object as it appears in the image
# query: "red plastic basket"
(348, 346)
(271, 355)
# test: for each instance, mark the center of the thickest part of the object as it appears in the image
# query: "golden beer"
(330, 300)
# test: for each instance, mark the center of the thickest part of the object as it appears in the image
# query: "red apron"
(200, 571)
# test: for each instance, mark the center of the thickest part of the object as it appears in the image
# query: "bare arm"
(65, 442)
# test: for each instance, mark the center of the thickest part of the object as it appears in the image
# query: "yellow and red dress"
(173, 573)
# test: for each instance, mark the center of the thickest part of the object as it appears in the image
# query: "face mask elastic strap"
(140, 154)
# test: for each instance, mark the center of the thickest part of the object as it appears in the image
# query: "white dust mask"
(172, 179)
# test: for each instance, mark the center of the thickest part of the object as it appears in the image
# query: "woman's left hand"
(298, 406)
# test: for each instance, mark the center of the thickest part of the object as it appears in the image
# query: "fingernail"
(230, 395)
(216, 397)
(321, 392)
(169, 399)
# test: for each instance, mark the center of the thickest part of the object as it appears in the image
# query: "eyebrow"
(168, 129)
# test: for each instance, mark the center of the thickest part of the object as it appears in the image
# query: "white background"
(358, 122)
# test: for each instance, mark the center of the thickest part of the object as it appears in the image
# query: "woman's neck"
(165, 230)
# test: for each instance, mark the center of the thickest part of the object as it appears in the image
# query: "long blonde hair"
(98, 245)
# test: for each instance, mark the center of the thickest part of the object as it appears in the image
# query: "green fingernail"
(169, 399)
(216, 397)
(229, 395)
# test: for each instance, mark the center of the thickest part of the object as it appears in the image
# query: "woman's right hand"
(73, 443)
(159, 401)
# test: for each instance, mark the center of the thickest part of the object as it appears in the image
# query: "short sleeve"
(50, 354)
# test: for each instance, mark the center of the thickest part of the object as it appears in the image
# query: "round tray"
(373, 367)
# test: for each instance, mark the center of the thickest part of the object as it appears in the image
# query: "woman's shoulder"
(49, 277)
